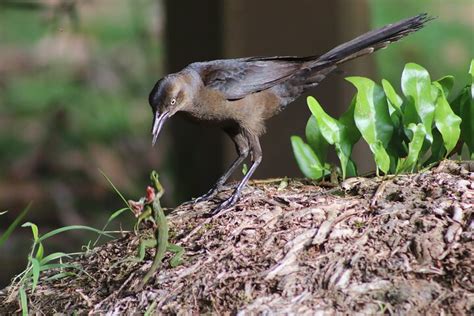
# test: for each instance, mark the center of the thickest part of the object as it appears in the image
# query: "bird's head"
(170, 94)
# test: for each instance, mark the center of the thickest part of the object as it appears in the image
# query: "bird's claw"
(209, 195)
(205, 197)
(225, 205)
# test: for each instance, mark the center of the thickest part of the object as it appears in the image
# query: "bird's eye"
(173, 101)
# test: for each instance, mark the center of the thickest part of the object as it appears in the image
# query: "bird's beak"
(158, 121)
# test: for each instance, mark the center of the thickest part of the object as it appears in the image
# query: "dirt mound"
(396, 245)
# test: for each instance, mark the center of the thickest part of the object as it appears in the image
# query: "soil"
(395, 245)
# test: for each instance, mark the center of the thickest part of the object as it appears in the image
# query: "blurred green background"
(74, 82)
(445, 47)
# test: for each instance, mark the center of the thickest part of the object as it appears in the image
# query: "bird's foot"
(226, 204)
(211, 194)
(206, 197)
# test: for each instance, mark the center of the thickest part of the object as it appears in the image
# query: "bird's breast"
(250, 112)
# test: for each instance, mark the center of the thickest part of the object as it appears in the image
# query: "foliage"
(38, 262)
(403, 133)
(13, 225)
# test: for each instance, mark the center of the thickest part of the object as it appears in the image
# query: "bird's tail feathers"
(371, 41)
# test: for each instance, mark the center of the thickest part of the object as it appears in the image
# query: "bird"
(239, 95)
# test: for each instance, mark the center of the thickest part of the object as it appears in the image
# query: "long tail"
(374, 40)
(315, 68)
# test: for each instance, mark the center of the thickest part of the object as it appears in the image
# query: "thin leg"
(256, 151)
(242, 147)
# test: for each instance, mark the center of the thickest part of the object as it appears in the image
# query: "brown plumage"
(238, 95)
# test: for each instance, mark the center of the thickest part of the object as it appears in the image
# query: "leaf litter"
(397, 245)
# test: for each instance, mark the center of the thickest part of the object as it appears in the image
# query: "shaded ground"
(394, 246)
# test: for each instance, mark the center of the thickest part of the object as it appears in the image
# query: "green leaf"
(306, 158)
(35, 265)
(463, 95)
(371, 111)
(351, 169)
(464, 153)
(447, 83)
(61, 266)
(437, 148)
(245, 169)
(151, 309)
(54, 256)
(350, 130)
(382, 159)
(60, 275)
(447, 123)
(34, 230)
(373, 120)
(315, 139)
(463, 106)
(338, 133)
(12, 226)
(467, 124)
(329, 127)
(350, 136)
(23, 301)
(114, 216)
(396, 148)
(409, 163)
(416, 86)
(111, 218)
(394, 100)
(72, 227)
(467, 114)
(39, 252)
(115, 189)
(471, 71)
(409, 114)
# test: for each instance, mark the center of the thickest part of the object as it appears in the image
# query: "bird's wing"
(237, 78)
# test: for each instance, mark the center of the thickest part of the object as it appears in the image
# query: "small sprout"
(245, 169)
(359, 224)
(283, 184)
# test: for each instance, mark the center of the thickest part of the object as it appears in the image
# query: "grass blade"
(54, 256)
(60, 276)
(111, 218)
(72, 227)
(23, 301)
(34, 230)
(115, 189)
(40, 252)
(13, 225)
(36, 272)
(60, 266)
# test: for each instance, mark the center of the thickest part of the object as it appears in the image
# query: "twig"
(115, 293)
(378, 193)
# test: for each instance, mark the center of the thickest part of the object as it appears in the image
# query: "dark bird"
(238, 95)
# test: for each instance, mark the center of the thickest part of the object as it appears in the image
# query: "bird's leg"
(242, 147)
(256, 157)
